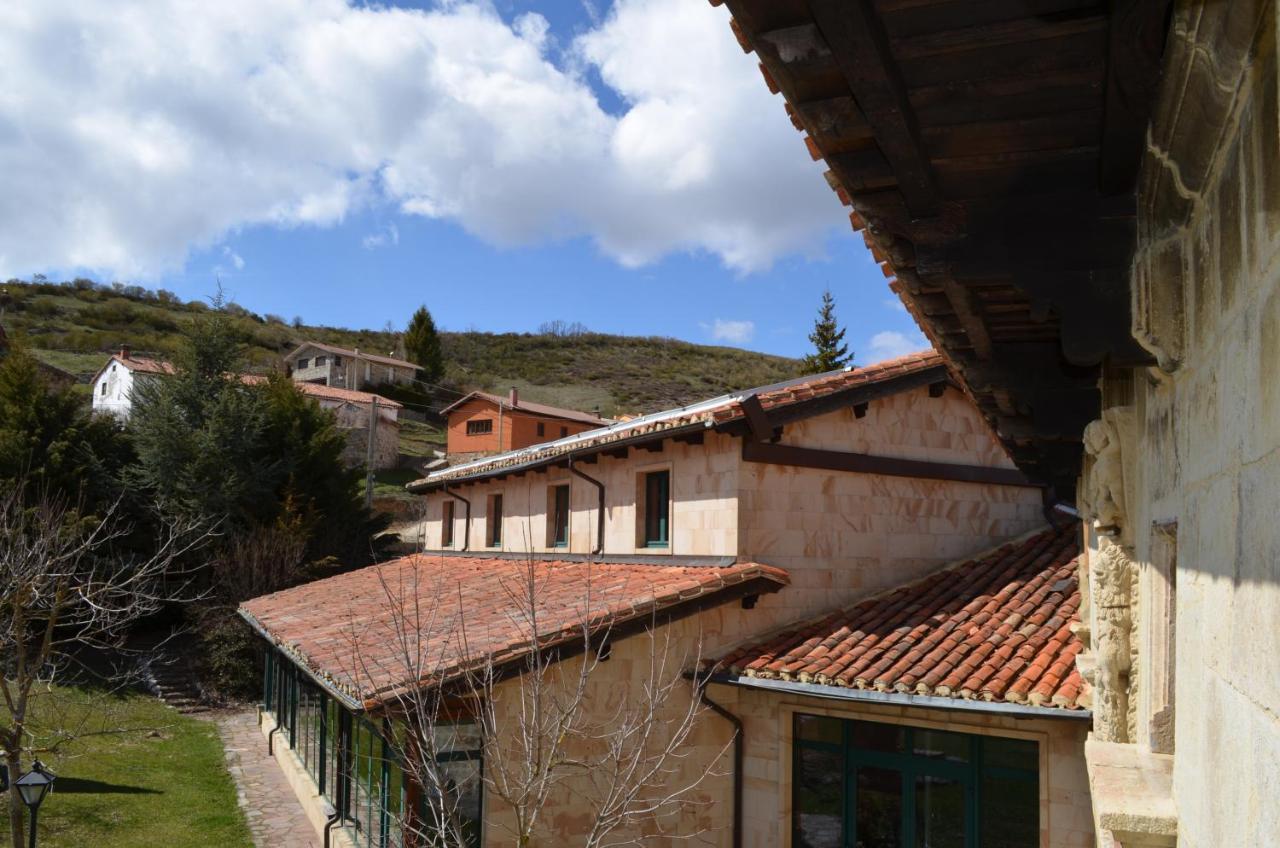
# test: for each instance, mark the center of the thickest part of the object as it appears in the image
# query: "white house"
(114, 383)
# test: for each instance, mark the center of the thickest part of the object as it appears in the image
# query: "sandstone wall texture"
(842, 535)
(1202, 466)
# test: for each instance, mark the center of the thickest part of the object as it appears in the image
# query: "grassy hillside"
(75, 325)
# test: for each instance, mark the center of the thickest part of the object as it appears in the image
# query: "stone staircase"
(166, 671)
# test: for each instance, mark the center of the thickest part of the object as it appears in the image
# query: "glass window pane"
(819, 729)
(879, 808)
(819, 798)
(1011, 753)
(877, 737)
(940, 813)
(939, 744)
(1010, 813)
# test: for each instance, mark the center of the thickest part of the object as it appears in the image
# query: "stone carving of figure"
(1104, 492)
(1111, 577)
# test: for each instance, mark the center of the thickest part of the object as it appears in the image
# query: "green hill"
(76, 325)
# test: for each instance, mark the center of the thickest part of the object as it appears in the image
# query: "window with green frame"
(859, 784)
(657, 509)
(558, 515)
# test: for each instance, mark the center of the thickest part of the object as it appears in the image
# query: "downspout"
(333, 819)
(466, 523)
(739, 740)
(271, 742)
(599, 509)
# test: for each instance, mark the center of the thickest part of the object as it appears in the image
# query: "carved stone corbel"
(1111, 580)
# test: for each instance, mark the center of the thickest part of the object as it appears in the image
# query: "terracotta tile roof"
(708, 413)
(468, 611)
(145, 365)
(319, 390)
(343, 351)
(995, 628)
(532, 408)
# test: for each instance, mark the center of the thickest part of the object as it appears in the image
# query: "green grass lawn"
(131, 790)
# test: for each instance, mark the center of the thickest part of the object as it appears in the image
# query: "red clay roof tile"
(707, 413)
(343, 628)
(996, 627)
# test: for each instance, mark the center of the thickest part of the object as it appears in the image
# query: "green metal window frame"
(560, 516)
(657, 509)
(911, 766)
(350, 758)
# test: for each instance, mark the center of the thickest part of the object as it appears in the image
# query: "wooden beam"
(936, 390)
(757, 420)
(652, 447)
(862, 463)
(692, 438)
(1135, 50)
(860, 410)
(857, 38)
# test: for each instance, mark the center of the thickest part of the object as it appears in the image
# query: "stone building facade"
(1183, 467)
(851, 488)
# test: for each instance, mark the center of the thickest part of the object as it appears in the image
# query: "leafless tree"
(66, 588)
(547, 734)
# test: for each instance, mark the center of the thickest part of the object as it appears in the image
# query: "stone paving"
(269, 803)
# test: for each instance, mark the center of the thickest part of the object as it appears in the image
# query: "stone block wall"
(704, 486)
(843, 535)
(1202, 466)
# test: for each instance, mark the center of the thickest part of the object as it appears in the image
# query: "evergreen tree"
(50, 441)
(423, 345)
(199, 433)
(247, 455)
(830, 352)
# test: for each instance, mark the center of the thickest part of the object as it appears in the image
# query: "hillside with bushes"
(75, 325)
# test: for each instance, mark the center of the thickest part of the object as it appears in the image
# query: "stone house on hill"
(480, 423)
(353, 412)
(339, 367)
(865, 521)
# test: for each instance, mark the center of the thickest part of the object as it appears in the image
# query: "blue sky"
(504, 163)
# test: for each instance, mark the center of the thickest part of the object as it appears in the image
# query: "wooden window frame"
(477, 427)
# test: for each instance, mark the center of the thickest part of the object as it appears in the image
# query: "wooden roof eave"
(1057, 241)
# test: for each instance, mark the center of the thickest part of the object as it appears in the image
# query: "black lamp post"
(33, 786)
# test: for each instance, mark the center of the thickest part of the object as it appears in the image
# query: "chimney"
(514, 399)
(124, 351)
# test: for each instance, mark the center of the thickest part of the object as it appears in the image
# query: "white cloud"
(733, 332)
(894, 303)
(178, 122)
(388, 236)
(236, 260)
(890, 343)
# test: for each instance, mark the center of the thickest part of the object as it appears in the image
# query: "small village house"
(115, 381)
(354, 413)
(330, 365)
(758, 521)
(480, 423)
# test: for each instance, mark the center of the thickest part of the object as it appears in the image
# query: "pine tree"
(830, 352)
(423, 345)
